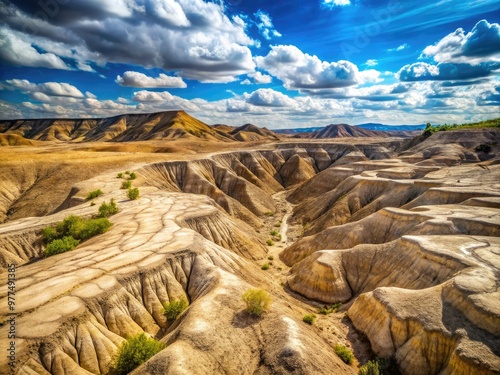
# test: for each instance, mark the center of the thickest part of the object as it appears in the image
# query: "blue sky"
(276, 64)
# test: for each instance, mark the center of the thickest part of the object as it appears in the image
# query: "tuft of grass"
(325, 310)
(277, 225)
(344, 353)
(370, 368)
(270, 257)
(94, 194)
(257, 301)
(108, 209)
(274, 232)
(174, 308)
(126, 184)
(265, 266)
(270, 242)
(132, 176)
(134, 352)
(133, 194)
(269, 213)
(309, 319)
(119, 175)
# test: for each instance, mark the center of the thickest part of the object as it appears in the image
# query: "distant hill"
(129, 127)
(394, 130)
(344, 131)
(250, 132)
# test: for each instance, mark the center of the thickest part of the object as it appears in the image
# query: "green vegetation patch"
(133, 194)
(309, 319)
(94, 194)
(134, 352)
(344, 353)
(108, 209)
(257, 301)
(429, 129)
(174, 308)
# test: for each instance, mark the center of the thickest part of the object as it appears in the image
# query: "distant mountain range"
(369, 126)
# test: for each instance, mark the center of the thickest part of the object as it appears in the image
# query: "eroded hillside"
(406, 236)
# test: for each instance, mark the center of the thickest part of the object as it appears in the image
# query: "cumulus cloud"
(193, 37)
(16, 51)
(265, 25)
(47, 88)
(136, 79)
(371, 62)
(480, 45)
(260, 78)
(269, 98)
(298, 70)
(445, 71)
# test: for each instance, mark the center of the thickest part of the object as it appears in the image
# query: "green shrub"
(174, 308)
(80, 228)
(133, 193)
(325, 310)
(270, 257)
(265, 266)
(127, 172)
(270, 242)
(309, 318)
(126, 184)
(269, 213)
(134, 352)
(92, 204)
(277, 225)
(119, 175)
(49, 234)
(257, 301)
(94, 194)
(132, 176)
(86, 229)
(344, 353)
(370, 368)
(274, 232)
(59, 246)
(108, 209)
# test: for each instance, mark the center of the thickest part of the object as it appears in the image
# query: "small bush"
(92, 204)
(126, 184)
(270, 257)
(134, 352)
(277, 225)
(94, 194)
(127, 172)
(269, 213)
(174, 308)
(108, 209)
(132, 176)
(370, 368)
(309, 318)
(344, 353)
(274, 232)
(133, 193)
(270, 242)
(59, 246)
(330, 309)
(49, 234)
(119, 175)
(265, 266)
(80, 228)
(257, 301)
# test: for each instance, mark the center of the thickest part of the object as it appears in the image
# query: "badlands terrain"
(402, 233)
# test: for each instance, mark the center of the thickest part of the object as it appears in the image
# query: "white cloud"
(246, 81)
(16, 51)
(260, 78)
(192, 37)
(136, 79)
(371, 62)
(332, 3)
(481, 44)
(399, 48)
(300, 70)
(269, 98)
(265, 25)
(47, 88)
